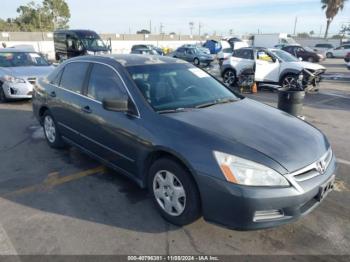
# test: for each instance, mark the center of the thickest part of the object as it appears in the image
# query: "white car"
(19, 71)
(227, 50)
(271, 66)
(340, 51)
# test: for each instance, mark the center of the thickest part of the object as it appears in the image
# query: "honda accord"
(199, 148)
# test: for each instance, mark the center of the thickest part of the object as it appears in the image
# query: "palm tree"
(332, 8)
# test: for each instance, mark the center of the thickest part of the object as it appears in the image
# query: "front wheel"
(289, 82)
(329, 55)
(229, 77)
(196, 62)
(51, 132)
(3, 98)
(174, 192)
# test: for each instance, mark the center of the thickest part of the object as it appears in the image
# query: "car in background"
(72, 43)
(19, 72)
(322, 48)
(338, 52)
(303, 53)
(204, 49)
(227, 49)
(273, 66)
(194, 55)
(144, 51)
(138, 49)
(197, 147)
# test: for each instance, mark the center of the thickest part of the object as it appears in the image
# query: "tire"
(289, 81)
(3, 98)
(311, 59)
(329, 55)
(52, 135)
(169, 181)
(57, 57)
(196, 62)
(229, 77)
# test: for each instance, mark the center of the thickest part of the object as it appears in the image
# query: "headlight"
(12, 79)
(90, 52)
(245, 172)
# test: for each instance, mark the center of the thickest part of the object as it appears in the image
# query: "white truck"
(272, 40)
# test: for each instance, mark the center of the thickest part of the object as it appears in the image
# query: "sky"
(221, 16)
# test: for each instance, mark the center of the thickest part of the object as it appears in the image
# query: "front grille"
(315, 169)
(32, 80)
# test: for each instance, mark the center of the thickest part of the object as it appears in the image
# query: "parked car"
(322, 48)
(72, 43)
(190, 140)
(339, 52)
(138, 49)
(144, 51)
(19, 71)
(227, 49)
(304, 53)
(193, 55)
(203, 49)
(273, 66)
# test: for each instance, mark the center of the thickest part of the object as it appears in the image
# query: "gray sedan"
(194, 55)
(19, 71)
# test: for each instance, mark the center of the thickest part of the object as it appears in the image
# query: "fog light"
(267, 215)
(13, 91)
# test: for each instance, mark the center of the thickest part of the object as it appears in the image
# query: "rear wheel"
(174, 192)
(229, 77)
(311, 59)
(53, 136)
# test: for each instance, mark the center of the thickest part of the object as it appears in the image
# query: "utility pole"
(150, 26)
(161, 28)
(295, 25)
(320, 30)
(199, 29)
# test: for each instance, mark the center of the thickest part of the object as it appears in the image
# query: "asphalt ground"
(63, 202)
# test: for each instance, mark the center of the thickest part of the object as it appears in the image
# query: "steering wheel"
(189, 88)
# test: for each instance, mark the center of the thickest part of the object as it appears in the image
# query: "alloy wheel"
(50, 129)
(290, 82)
(229, 77)
(169, 193)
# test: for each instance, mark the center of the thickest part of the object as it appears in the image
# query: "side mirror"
(116, 105)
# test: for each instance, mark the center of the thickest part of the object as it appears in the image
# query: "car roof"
(15, 50)
(132, 59)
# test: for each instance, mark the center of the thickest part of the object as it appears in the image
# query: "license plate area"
(325, 189)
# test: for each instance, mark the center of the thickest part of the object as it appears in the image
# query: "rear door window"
(73, 76)
(104, 83)
(244, 53)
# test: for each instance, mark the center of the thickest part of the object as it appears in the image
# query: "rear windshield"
(177, 86)
(15, 59)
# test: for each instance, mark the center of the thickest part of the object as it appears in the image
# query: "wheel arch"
(41, 113)
(225, 69)
(288, 72)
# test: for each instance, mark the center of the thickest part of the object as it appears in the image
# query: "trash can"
(291, 101)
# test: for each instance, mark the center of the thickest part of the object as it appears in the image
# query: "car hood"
(308, 65)
(286, 139)
(25, 71)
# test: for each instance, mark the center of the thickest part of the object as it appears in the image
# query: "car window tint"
(73, 76)
(243, 53)
(104, 83)
(56, 78)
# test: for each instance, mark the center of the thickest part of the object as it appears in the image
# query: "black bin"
(291, 101)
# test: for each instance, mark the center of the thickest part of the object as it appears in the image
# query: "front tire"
(174, 192)
(289, 81)
(196, 62)
(329, 55)
(52, 134)
(229, 77)
(3, 98)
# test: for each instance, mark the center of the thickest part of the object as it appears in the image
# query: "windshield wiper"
(216, 102)
(176, 110)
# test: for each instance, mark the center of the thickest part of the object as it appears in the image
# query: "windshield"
(92, 43)
(284, 56)
(178, 86)
(15, 59)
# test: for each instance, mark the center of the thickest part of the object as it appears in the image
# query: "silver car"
(19, 71)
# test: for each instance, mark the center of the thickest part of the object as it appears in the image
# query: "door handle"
(86, 109)
(53, 94)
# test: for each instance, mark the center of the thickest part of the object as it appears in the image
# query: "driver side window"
(263, 56)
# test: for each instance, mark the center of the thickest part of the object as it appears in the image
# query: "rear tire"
(52, 134)
(174, 192)
(196, 62)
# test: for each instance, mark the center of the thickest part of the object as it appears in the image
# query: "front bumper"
(248, 208)
(18, 90)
